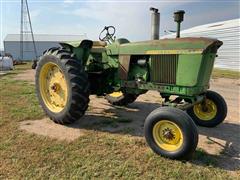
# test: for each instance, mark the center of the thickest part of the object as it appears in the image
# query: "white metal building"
(226, 31)
(1, 52)
(42, 41)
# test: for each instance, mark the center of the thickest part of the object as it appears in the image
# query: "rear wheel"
(120, 98)
(170, 132)
(62, 86)
(211, 112)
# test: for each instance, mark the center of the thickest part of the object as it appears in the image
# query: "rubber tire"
(77, 82)
(185, 123)
(123, 100)
(221, 107)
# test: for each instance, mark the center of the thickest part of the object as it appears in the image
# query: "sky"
(130, 17)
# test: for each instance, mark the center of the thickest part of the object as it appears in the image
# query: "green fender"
(81, 49)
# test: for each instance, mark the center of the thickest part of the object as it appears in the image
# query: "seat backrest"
(99, 43)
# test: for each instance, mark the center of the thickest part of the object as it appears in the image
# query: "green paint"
(188, 69)
(182, 45)
(194, 58)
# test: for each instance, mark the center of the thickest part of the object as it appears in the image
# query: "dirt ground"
(28, 75)
(221, 142)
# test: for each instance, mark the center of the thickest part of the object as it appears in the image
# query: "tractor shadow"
(121, 120)
(130, 121)
(223, 140)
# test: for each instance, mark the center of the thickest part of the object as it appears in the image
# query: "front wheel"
(170, 132)
(211, 112)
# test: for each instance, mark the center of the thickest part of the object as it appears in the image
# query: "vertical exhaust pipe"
(178, 18)
(155, 22)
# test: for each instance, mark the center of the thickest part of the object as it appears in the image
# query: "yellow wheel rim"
(206, 113)
(167, 135)
(53, 87)
(116, 94)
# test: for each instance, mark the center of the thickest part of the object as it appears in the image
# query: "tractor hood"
(171, 46)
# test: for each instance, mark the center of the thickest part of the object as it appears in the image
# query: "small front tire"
(211, 113)
(170, 132)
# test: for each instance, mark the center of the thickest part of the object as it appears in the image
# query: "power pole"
(26, 32)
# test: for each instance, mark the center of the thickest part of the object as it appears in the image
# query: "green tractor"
(179, 69)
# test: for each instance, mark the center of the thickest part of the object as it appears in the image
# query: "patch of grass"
(17, 69)
(97, 155)
(127, 130)
(18, 100)
(25, 66)
(222, 73)
(204, 157)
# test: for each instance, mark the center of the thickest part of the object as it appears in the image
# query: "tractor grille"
(164, 68)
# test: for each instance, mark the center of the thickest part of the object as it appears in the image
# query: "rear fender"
(81, 49)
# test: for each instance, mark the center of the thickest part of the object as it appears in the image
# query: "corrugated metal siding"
(14, 49)
(45, 37)
(226, 31)
(43, 42)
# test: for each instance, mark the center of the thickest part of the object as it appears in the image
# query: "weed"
(223, 73)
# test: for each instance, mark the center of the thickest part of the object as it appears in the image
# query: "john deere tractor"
(179, 69)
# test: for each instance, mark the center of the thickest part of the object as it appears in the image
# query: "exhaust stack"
(178, 17)
(155, 20)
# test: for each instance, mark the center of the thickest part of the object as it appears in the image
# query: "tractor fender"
(86, 44)
(81, 49)
(67, 46)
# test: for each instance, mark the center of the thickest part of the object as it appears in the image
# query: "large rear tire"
(62, 86)
(120, 98)
(170, 132)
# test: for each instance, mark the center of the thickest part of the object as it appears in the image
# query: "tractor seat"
(99, 44)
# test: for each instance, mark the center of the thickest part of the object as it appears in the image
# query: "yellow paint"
(182, 51)
(53, 87)
(116, 94)
(209, 114)
(159, 134)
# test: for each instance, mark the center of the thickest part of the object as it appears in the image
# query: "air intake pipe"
(178, 18)
(155, 22)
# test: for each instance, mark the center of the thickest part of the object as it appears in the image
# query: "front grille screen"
(164, 68)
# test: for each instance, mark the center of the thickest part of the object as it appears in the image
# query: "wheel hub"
(206, 110)
(56, 87)
(167, 135)
(204, 107)
(53, 87)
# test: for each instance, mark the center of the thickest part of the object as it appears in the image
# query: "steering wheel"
(107, 33)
